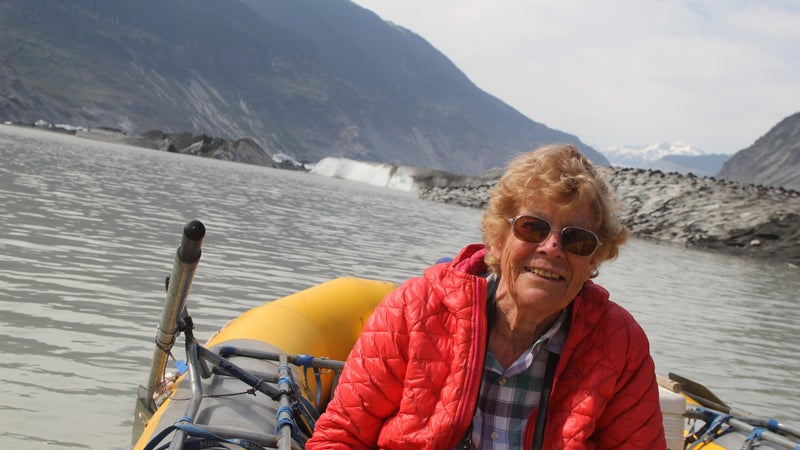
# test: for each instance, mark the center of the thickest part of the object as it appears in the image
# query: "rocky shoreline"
(703, 213)
(699, 212)
(240, 150)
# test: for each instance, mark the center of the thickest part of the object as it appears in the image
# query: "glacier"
(377, 174)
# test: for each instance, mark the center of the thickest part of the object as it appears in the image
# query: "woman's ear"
(594, 264)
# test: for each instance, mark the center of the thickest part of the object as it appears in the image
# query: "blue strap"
(206, 437)
(307, 361)
(289, 420)
(160, 436)
(754, 436)
(304, 360)
(285, 420)
(287, 379)
(204, 444)
(195, 431)
(712, 432)
(756, 433)
(720, 420)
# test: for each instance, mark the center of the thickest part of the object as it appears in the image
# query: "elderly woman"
(511, 345)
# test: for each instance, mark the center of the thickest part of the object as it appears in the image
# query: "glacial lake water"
(88, 231)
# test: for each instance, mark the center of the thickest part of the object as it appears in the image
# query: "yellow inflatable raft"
(323, 321)
(261, 380)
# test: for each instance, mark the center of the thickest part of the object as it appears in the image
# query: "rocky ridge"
(307, 79)
(772, 160)
(244, 150)
(704, 213)
(701, 212)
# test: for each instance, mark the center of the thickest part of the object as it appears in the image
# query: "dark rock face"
(695, 212)
(305, 78)
(705, 213)
(773, 160)
(711, 214)
(241, 150)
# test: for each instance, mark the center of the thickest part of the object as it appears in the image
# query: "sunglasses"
(535, 230)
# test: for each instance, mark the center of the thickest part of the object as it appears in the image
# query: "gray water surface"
(88, 231)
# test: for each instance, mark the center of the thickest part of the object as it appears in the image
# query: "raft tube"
(324, 321)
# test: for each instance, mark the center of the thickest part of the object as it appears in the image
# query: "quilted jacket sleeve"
(633, 418)
(605, 395)
(371, 383)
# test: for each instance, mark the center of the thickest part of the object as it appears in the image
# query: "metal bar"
(233, 370)
(320, 363)
(766, 435)
(227, 432)
(744, 427)
(197, 393)
(284, 386)
(186, 259)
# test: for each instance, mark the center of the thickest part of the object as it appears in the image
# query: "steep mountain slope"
(309, 78)
(773, 160)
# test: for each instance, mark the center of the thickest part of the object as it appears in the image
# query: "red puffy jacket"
(412, 379)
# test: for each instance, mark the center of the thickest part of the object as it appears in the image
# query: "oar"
(705, 397)
(187, 258)
(693, 388)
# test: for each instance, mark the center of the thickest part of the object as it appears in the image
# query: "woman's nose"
(552, 243)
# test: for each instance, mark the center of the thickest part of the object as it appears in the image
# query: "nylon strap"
(541, 418)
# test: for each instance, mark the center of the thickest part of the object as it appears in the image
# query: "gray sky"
(716, 74)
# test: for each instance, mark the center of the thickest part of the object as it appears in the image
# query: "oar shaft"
(705, 397)
(765, 435)
(743, 426)
(769, 424)
(180, 282)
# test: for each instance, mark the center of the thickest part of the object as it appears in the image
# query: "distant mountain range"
(305, 78)
(667, 157)
(773, 160)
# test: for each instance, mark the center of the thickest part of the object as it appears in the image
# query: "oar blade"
(695, 389)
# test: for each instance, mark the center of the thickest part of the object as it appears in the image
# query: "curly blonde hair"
(560, 175)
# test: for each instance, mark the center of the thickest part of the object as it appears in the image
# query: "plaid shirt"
(508, 397)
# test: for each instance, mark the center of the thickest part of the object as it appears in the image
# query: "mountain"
(690, 211)
(702, 165)
(305, 78)
(773, 160)
(636, 155)
(667, 157)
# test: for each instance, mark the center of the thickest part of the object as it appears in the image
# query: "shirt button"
(502, 381)
(494, 435)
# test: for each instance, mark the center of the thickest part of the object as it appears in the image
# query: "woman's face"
(543, 278)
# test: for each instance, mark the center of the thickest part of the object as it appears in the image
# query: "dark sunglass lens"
(578, 241)
(531, 229)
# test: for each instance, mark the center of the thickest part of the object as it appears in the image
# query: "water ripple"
(91, 229)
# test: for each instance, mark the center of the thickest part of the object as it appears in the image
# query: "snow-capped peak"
(666, 156)
(623, 155)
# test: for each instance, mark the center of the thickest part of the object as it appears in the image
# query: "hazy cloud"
(715, 74)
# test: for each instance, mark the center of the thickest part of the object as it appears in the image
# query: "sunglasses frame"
(513, 222)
